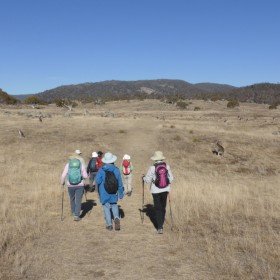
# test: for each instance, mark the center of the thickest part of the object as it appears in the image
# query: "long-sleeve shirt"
(151, 176)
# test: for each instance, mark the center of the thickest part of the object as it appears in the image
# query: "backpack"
(93, 165)
(99, 163)
(111, 183)
(74, 172)
(161, 172)
(125, 167)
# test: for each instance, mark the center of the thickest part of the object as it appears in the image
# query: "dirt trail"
(86, 250)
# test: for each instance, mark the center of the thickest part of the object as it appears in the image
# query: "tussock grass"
(226, 210)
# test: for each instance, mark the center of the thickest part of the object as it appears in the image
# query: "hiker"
(127, 167)
(159, 176)
(75, 172)
(110, 188)
(77, 155)
(99, 159)
(92, 170)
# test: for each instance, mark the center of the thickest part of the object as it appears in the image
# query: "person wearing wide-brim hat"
(109, 200)
(160, 186)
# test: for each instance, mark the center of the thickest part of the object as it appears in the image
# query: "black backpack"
(92, 165)
(111, 183)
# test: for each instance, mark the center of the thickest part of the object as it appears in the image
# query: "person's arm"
(88, 167)
(148, 178)
(120, 184)
(131, 166)
(64, 174)
(84, 172)
(170, 174)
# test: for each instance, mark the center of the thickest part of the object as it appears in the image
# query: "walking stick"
(62, 199)
(171, 217)
(143, 199)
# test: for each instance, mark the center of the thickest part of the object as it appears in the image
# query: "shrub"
(232, 104)
(181, 105)
(196, 108)
(33, 100)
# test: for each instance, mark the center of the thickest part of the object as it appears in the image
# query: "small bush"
(181, 105)
(232, 104)
(196, 108)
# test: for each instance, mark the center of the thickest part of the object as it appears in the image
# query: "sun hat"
(109, 158)
(158, 155)
(94, 154)
(126, 156)
(78, 152)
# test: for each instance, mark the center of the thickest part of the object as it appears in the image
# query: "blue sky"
(48, 43)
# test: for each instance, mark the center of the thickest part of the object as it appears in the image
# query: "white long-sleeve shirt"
(151, 176)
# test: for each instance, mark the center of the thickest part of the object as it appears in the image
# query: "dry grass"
(226, 210)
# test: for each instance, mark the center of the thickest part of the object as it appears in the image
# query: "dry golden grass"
(226, 211)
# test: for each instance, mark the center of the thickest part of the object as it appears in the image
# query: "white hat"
(126, 156)
(78, 152)
(109, 158)
(94, 154)
(158, 155)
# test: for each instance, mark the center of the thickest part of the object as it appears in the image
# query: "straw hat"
(94, 154)
(126, 156)
(158, 155)
(109, 158)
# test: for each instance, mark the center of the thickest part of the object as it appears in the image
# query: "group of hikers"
(112, 183)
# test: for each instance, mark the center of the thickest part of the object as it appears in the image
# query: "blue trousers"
(107, 212)
(76, 195)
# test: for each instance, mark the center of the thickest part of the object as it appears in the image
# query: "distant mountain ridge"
(122, 89)
(114, 89)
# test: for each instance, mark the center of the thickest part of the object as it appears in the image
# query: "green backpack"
(74, 172)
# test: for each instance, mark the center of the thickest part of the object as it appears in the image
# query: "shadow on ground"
(149, 211)
(87, 207)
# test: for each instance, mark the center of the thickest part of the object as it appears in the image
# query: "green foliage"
(5, 98)
(273, 105)
(65, 102)
(216, 97)
(33, 100)
(181, 104)
(232, 104)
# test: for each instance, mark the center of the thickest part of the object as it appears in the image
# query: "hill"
(128, 89)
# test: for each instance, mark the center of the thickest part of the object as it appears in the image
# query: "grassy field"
(226, 210)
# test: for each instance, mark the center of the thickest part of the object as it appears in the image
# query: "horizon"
(135, 81)
(48, 44)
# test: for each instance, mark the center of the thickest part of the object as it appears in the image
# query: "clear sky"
(48, 43)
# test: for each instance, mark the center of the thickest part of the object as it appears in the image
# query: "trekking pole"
(62, 199)
(143, 199)
(171, 217)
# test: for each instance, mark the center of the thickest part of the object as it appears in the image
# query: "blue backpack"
(74, 172)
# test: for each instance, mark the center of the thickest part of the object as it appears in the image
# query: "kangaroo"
(218, 149)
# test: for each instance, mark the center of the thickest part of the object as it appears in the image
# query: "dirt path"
(86, 250)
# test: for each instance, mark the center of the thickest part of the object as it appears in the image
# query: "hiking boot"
(77, 218)
(109, 228)
(160, 231)
(117, 224)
